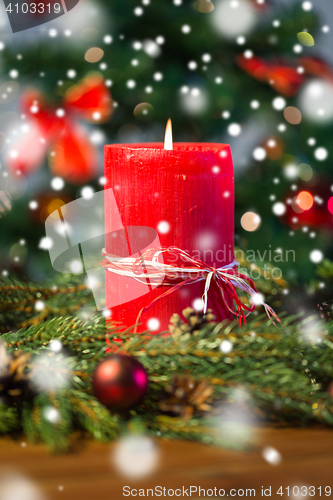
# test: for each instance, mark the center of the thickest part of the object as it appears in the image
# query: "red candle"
(187, 195)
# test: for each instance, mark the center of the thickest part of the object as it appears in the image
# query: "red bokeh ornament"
(309, 206)
(283, 76)
(120, 382)
(56, 132)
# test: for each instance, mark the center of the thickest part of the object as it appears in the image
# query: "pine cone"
(195, 322)
(185, 395)
(326, 311)
(13, 373)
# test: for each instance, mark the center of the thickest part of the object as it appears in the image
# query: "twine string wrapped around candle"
(148, 269)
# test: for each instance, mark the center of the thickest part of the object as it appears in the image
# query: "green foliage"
(45, 64)
(9, 420)
(66, 295)
(325, 270)
(285, 371)
(79, 413)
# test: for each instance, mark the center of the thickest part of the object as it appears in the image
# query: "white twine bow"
(148, 269)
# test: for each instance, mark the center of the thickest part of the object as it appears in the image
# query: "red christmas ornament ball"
(120, 382)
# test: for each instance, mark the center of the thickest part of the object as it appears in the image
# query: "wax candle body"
(191, 190)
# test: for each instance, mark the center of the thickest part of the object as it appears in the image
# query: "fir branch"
(325, 270)
(93, 417)
(9, 419)
(66, 296)
(38, 428)
(283, 369)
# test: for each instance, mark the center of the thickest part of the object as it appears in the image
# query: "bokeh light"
(143, 110)
(290, 171)
(163, 227)
(51, 414)
(151, 48)
(250, 221)
(271, 455)
(226, 346)
(94, 54)
(57, 183)
(259, 154)
(307, 5)
(316, 101)
(236, 421)
(136, 456)
(316, 256)
(203, 6)
(232, 18)
(8, 91)
(279, 103)
(305, 172)
(14, 486)
(321, 154)
(330, 205)
(234, 129)
(153, 324)
(295, 206)
(305, 38)
(50, 372)
(279, 208)
(193, 100)
(292, 115)
(312, 332)
(305, 200)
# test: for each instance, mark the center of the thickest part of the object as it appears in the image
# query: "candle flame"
(168, 144)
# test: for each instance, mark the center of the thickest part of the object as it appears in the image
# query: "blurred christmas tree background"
(242, 72)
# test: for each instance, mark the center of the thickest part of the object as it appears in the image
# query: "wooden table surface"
(307, 460)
